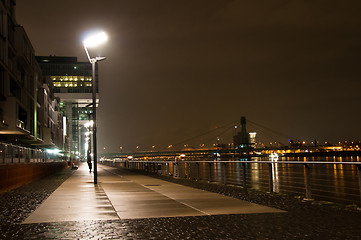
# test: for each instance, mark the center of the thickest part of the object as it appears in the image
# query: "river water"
(328, 182)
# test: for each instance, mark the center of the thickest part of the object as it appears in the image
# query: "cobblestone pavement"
(304, 220)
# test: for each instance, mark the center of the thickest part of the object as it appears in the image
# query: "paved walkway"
(131, 196)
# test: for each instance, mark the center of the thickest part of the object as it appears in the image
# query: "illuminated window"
(70, 81)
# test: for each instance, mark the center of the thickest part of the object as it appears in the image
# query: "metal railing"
(338, 182)
(10, 154)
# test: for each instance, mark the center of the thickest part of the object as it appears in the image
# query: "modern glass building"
(72, 83)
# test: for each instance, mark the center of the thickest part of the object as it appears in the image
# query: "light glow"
(53, 151)
(64, 125)
(95, 39)
(89, 124)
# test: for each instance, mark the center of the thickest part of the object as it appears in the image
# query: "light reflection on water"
(329, 182)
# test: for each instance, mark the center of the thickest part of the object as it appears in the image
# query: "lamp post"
(93, 41)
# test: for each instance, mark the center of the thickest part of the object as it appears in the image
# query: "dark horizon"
(176, 70)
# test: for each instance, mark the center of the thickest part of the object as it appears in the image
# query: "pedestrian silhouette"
(89, 165)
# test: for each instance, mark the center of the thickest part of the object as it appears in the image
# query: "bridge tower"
(244, 134)
(241, 139)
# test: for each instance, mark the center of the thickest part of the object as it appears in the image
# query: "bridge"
(243, 145)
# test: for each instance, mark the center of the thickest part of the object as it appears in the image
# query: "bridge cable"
(205, 133)
(271, 130)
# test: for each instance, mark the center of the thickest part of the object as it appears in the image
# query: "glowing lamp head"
(95, 39)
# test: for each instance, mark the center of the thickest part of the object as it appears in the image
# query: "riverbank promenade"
(127, 205)
(128, 196)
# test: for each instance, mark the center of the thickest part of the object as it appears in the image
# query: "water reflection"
(256, 171)
(275, 175)
(333, 182)
(237, 166)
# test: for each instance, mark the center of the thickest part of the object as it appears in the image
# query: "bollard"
(244, 175)
(308, 183)
(270, 178)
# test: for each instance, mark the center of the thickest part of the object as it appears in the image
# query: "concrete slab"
(205, 203)
(77, 199)
(130, 196)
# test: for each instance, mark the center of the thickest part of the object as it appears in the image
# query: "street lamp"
(90, 42)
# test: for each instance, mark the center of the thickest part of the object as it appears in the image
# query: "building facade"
(29, 115)
(72, 83)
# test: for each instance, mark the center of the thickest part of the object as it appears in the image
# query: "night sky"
(178, 69)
